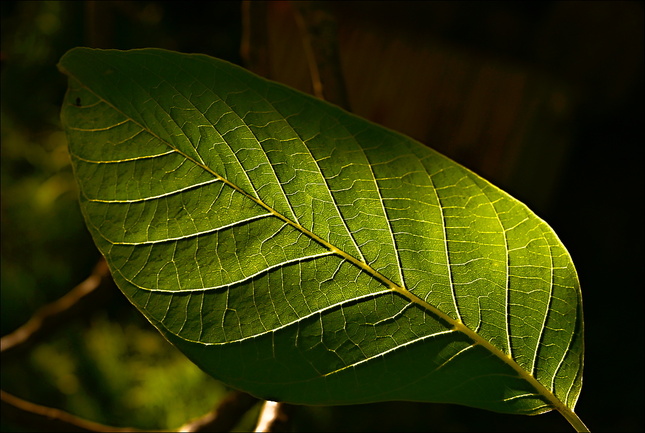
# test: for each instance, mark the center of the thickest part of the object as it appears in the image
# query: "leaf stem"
(573, 419)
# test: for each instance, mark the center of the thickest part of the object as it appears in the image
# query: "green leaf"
(303, 254)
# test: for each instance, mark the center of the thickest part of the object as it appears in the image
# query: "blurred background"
(545, 99)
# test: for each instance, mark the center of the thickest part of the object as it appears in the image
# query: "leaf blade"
(315, 257)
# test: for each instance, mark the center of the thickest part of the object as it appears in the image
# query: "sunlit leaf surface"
(301, 253)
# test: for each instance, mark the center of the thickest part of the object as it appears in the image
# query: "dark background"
(545, 99)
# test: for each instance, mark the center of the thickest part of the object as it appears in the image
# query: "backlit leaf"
(303, 254)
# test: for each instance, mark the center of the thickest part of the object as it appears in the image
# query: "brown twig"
(254, 47)
(319, 30)
(225, 416)
(41, 418)
(80, 301)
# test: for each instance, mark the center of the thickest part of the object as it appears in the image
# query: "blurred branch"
(225, 416)
(99, 23)
(319, 30)
(274, 417)
(80, 301)
(254, 47)
(41, 418)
